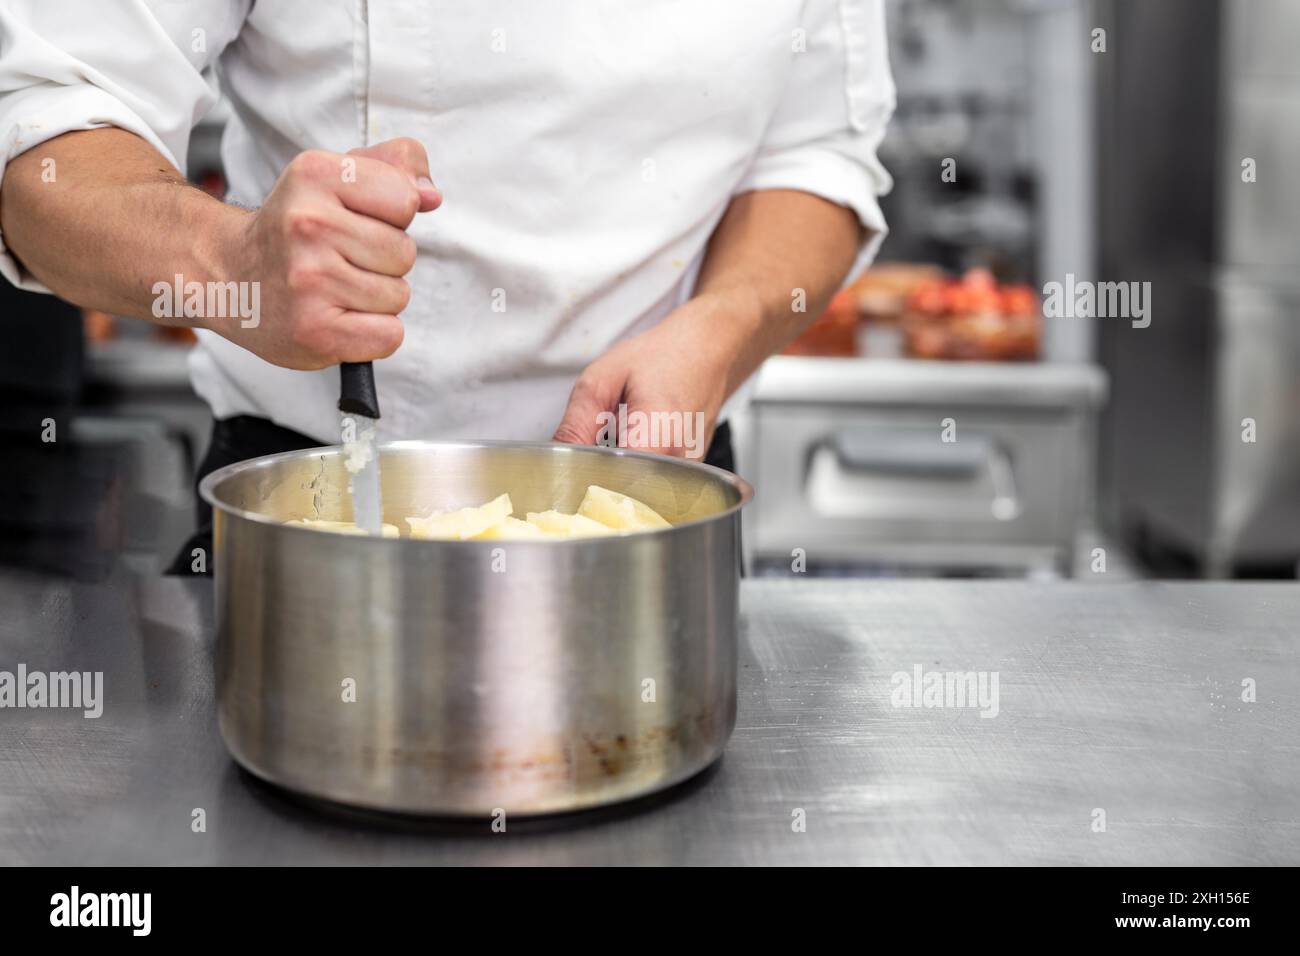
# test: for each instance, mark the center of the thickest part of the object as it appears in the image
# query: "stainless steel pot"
(463, 678)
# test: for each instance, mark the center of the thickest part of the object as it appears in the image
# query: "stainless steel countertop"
(1124, 697)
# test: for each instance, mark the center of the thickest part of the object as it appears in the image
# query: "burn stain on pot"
(656, 734)
(610, 765)
(539, 765)
(609, 756)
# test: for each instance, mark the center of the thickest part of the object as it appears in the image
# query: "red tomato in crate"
(1019, 300)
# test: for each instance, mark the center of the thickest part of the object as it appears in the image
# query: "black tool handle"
(357, 394)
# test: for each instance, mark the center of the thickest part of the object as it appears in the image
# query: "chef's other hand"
(672, 380)
(329, 249)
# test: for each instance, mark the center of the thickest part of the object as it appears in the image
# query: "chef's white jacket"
(586, 151)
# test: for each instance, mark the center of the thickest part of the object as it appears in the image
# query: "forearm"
(115, 218)
(772, 253)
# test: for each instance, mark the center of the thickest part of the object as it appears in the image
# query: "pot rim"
(207, 487)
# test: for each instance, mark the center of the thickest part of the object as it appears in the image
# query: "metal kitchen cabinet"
(1201, 460)
(850, 463)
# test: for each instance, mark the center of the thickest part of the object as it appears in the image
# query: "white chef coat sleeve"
(825, 132)
(83, 64)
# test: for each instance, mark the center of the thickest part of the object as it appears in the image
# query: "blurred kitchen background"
(1100, 139)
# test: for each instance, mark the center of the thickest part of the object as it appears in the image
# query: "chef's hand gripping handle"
(357, 394)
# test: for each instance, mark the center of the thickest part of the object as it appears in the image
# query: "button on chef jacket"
(586, 151)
